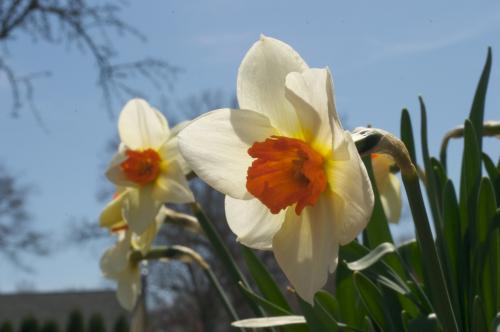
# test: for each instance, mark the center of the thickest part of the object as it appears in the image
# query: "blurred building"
(57, 306)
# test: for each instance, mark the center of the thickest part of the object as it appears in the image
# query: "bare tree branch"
(88, 26)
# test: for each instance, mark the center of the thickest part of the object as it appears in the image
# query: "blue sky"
(382, 56)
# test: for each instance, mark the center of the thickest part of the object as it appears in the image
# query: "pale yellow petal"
(306, 248)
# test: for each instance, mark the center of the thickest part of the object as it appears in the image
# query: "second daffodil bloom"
(293, 179)
(115, 262)
(148, 164)
(388, 186)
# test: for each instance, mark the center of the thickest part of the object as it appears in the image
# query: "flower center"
(286, 171)
(141, 167)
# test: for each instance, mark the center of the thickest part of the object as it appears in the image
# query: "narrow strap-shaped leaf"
(476, 115)
(427, 324)
(478, 315)
(470, 177)
(351, 309)
(407, 135)
(263, 279)
(494, 174)
(315, 321)
(269, 306)
(455, 254)
(429, 172)
(372, 298)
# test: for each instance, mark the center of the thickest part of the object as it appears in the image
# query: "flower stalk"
(490, 128)
(370, 140)
(187, 255)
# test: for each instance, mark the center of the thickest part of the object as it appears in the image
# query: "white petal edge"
(142, 127)
(215, 146)
(269, 321)
(306, 248)
(252, 222)
(140, 209)
(261, 82)
(349, 180)
(172, 186)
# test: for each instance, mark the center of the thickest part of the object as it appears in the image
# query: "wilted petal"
(172, 186)
(306, 248)
(215, 146)
(261, 82)
(141, 127)
(349, 180)
(252, 222)
(140, 208)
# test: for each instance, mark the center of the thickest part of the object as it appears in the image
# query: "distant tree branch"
(76, 21)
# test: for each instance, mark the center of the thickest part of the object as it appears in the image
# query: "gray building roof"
(58, 305)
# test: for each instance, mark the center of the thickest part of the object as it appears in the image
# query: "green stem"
(184, 253)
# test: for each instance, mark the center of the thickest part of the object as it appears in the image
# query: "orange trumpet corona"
(286, 171)
(141, 167)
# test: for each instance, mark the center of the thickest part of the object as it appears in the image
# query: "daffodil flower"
(115, 263)
(293, 179)
(388, 186)
(148, 164)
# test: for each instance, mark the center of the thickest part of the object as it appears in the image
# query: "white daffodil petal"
(335, 125)
(112, 213)
(305, 247)
(252, 222)
(349, 180)
(307, 92)
(261, 81)
(115, 173)
(115, 259)
(178, 127)
(129, 287)
(140, 208)
(172, 186)
(390, 196)
(169, 152)
(142, 127)
(215, 145)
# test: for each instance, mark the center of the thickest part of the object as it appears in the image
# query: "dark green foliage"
(75, 322)
(6, 327)
(121, 325)
(50, 326)
(96, 323)
(29, 324)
